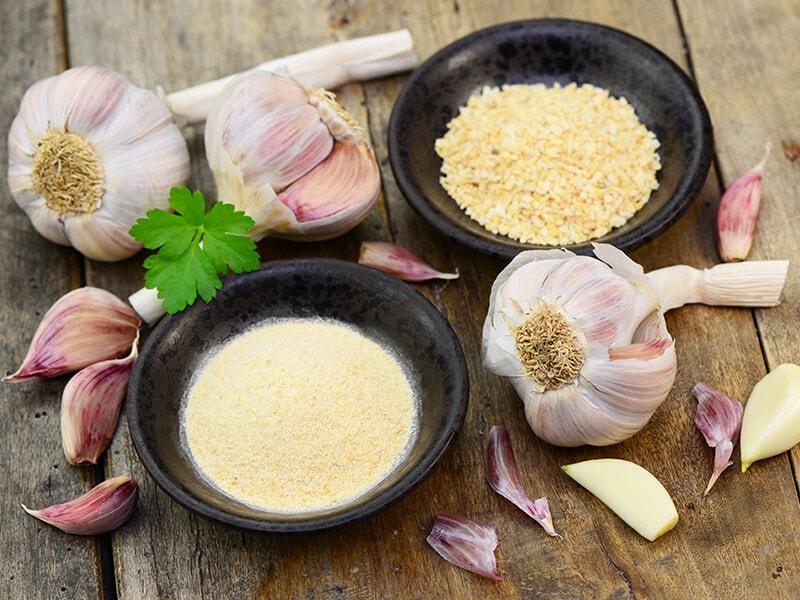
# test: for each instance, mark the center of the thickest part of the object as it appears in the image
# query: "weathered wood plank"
(36, 558)
(164, 551)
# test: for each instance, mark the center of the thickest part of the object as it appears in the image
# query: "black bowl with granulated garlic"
(550, 133)
(304, 397)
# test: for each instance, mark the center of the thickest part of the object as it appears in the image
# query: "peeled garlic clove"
(466, 544)
(398, 261)
(289, 157)
(719, 419)
(89, 154)
(83, 327)
(632, 492)
(771, 422)
(104, 508)
(90, 406)
(738, 212)
(504, 478)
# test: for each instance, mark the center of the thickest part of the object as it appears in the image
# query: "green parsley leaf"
(194, 248)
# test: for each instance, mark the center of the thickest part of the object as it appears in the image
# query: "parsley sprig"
(194, 248)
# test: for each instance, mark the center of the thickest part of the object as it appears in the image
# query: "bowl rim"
(502, 247)
(443, 440)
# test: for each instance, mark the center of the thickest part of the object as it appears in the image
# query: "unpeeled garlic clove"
(104, 508)
(771, 422)
(334, 196)
(290, 157)
(83, 327)
(738, 212)
(90, 406)
(719, 419)
(398, 261)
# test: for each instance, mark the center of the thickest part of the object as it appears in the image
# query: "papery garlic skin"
(771, 421)
(719, 419)
(82, 327)
(290, 158)
(89, 154)
(605, 359)
(104, 508)
(90, 407)
(465, 543)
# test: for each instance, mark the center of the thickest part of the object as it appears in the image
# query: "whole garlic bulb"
(584, 343)
(89, 154)
(290, 157)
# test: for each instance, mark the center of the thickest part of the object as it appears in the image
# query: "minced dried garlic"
(299, 414)
(548, 165)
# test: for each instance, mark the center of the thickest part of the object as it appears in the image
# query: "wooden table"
(741, 541)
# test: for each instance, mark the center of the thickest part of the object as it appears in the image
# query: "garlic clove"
(267, 126)
(504, 478)
(466, 544)
(334, 197)
(97, 235)
(398, 261)
(290, 158)
(44, 220)
(719, 419)
(90, 407)
(771, 421)
(633, 493)
(756, 283)
(83, 327)
(737, 213)
(104, 508)
(85, 143)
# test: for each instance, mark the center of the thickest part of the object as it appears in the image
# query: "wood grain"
(741, 541)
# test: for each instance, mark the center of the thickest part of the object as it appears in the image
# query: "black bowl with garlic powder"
(499, 188)
(360, 320)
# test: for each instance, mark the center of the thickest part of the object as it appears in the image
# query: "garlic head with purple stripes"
(584, 343)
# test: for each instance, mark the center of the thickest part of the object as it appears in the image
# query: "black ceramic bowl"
(379, 306)
(549, 51)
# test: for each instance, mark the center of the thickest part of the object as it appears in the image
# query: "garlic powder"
(548, 165)
(299, 414)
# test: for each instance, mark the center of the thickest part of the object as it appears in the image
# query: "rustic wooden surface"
(742, 541)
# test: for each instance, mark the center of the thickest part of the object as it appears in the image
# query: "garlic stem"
(328, 67)
(147, 305)
(747, 283)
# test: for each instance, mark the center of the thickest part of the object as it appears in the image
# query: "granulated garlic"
(299, 414)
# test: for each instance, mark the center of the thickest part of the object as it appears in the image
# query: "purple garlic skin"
(104, 508)
(90, 407)
(85, 326)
